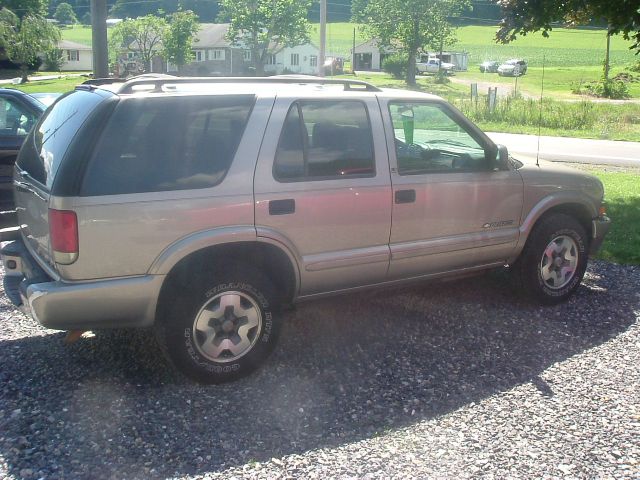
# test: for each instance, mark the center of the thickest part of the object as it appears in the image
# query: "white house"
(369, 55)
(76, 56)
(214, 54)
(301, 59)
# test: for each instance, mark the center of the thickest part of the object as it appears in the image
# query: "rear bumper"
(599, 228)
(114, 303)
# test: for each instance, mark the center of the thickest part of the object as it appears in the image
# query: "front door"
(322, 188)
(453, 207)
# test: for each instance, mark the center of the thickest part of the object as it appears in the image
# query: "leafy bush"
(53, 60)
(616, 89)
(396, 65)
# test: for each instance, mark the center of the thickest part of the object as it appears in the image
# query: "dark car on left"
(19, 111)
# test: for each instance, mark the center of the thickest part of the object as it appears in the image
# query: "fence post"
(492, 98)
(474, 93)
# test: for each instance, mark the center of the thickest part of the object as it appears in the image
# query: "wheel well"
(574, 210)
(272, 261)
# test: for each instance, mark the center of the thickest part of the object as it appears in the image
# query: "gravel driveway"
(459, 379)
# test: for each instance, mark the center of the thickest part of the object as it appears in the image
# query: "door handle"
(282, 207)
(405, 196)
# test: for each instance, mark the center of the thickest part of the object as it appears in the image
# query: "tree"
(143, 35)
(23, 8)
(207, 10)
(65, 14)
(183, 25)
(410, 25)
(259, 25)
(24, 39)
(522, 17)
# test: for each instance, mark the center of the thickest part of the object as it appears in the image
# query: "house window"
(200, 55)
(313, 61)
(73, 55)
(271, 59)
(130, 55)
(295, 59)
(217, 54)
(246, 55)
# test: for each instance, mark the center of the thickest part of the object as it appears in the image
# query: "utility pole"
(323, 36)
(99, 38)
(353, 53)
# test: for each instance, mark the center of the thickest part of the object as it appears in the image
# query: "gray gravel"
(460, 379)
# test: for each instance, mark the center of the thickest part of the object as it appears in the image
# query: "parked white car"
(433, 66)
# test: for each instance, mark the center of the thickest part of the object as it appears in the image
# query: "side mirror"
(502, 157)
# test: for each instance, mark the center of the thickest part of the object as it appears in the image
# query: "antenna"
(540, 114)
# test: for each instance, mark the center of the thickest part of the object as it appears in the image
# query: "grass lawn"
(60, 85)
(78, 34)
(622, 192)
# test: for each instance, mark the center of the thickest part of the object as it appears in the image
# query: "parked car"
(263, 192)
(512, 68)
(489, 66)
(432, 65)
(18, 113)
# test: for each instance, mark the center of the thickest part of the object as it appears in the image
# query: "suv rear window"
(54, 132)
(174, 143)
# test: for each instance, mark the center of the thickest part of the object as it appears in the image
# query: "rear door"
(322, 188)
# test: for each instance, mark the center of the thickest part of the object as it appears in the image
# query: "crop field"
(564, 47)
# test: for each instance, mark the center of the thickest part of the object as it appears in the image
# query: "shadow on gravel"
(346, 369)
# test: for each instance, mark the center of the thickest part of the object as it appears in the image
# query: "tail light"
(63, 235)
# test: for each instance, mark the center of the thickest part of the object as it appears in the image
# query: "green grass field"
(622, 243)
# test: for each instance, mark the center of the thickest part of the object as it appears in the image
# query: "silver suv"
(201, 207)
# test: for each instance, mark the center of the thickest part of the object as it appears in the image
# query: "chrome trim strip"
(348, 258)
(450, 244)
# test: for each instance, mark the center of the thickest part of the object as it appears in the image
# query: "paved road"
(579, 150)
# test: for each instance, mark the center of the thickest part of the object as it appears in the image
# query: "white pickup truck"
(432, 65)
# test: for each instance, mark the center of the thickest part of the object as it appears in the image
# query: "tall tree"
(259, 25)
(22, 8)
(143, 35)
(65, 14)
(521, 17)
(25, 38)
(183, 25)
(410, 25)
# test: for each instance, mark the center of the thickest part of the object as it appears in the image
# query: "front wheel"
(554, 259)
(220, 327)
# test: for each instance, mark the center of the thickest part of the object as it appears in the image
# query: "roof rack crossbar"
(156, 84)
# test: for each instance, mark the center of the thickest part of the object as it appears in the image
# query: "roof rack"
(154, 85)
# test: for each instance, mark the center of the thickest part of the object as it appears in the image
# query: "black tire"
(537, 273)
(185, 345)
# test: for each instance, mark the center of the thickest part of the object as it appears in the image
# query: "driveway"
(458, 380)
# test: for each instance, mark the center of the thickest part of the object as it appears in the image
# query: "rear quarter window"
(54, 133)
(157, 144)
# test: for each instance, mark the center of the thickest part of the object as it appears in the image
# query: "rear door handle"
(405, 196)
(282, 207)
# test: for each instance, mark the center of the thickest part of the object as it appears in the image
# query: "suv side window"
(324, 140)
(428, 140)
(172, 143)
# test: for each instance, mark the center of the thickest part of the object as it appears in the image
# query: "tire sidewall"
(179, 321)
(556, 295)
(527, 270)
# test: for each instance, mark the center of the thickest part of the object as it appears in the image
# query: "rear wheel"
(220, 327)
(554, 259)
